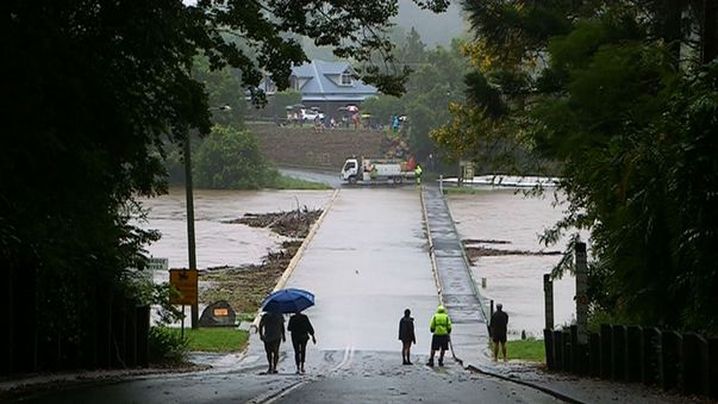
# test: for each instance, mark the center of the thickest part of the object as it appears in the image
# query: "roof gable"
(325, 78)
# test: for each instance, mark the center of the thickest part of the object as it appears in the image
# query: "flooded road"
(220, 243)
(499, 214)
(367, 263)
(515, 280)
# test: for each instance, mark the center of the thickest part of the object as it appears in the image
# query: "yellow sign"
(220, 312)
(186, 284)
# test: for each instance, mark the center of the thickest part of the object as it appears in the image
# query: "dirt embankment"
(245, 287)
(477, 248)
(304, 147)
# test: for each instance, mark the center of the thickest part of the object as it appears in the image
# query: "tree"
(621, 97)
(94, 91)
(225, 92)
(412, 51)
(278, 103)
(230, 159)
(435, 81)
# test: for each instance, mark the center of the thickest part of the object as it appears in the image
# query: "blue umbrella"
(288, 301)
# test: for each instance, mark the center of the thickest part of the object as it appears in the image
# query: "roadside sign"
(185, 281)
(157, 264)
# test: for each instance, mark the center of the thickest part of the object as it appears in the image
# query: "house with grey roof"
(336, 82)
(327, 85)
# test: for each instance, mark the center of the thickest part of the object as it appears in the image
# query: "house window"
(346, 79)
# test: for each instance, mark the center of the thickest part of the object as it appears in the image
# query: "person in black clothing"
(271, 331)
(301, 329)
(406, 336)
(499, 321)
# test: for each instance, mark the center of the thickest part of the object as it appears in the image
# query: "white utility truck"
(365, 170)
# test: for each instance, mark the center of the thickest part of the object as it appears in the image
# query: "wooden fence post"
(618, 350)
(581, 297)
(548, 348)
(652, 372)
(606, 356)
(558, 349)
(713, 365)
(634, 353)
(671, 347)
(594, 356)
(695, 374)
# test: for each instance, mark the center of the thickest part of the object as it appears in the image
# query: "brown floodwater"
(516, 280)
(499, 214)
(220, 243)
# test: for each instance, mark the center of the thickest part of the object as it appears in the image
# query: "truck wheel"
(397, 180)
(353, 180)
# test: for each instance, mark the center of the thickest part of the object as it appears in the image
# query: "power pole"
(190, 221)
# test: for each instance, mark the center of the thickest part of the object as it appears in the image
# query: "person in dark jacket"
(301, 329)
(498, 325)
(406, 336)
(271, 331)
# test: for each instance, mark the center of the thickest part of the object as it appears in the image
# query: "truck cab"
(350, 171)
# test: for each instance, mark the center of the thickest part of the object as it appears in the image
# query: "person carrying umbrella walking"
(301, 328)
(440, 327)
(271, 331)
(271, 327)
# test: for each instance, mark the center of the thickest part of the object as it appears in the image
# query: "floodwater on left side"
(218, 242)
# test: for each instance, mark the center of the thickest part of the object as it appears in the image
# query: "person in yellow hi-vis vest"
(417, 174)
(440, 327)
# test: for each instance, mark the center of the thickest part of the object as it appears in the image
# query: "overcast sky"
(435, 29)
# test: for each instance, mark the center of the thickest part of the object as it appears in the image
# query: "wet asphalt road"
(367, 262)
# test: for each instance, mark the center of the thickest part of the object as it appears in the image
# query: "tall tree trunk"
(669, 15)
(709, 31)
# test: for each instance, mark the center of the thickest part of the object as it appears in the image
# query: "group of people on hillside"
(271, 332)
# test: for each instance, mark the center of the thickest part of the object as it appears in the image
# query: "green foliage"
(167, 346)
(278, 103)
(225, 92)
(435, 81)
(231, 159)
(411, 50)
(531, 350)
(219, 339)
(383, 107)
(628, 125)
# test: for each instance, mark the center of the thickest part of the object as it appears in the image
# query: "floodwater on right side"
(500, 228)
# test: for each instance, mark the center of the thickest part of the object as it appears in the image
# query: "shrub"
(167, 345)
(230, 159)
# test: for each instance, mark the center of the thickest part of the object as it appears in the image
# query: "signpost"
(190, 222)
(185, 281)
(157, 264)
(186, 284)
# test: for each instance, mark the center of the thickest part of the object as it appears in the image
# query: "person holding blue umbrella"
(289, 300)
(271, 332)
